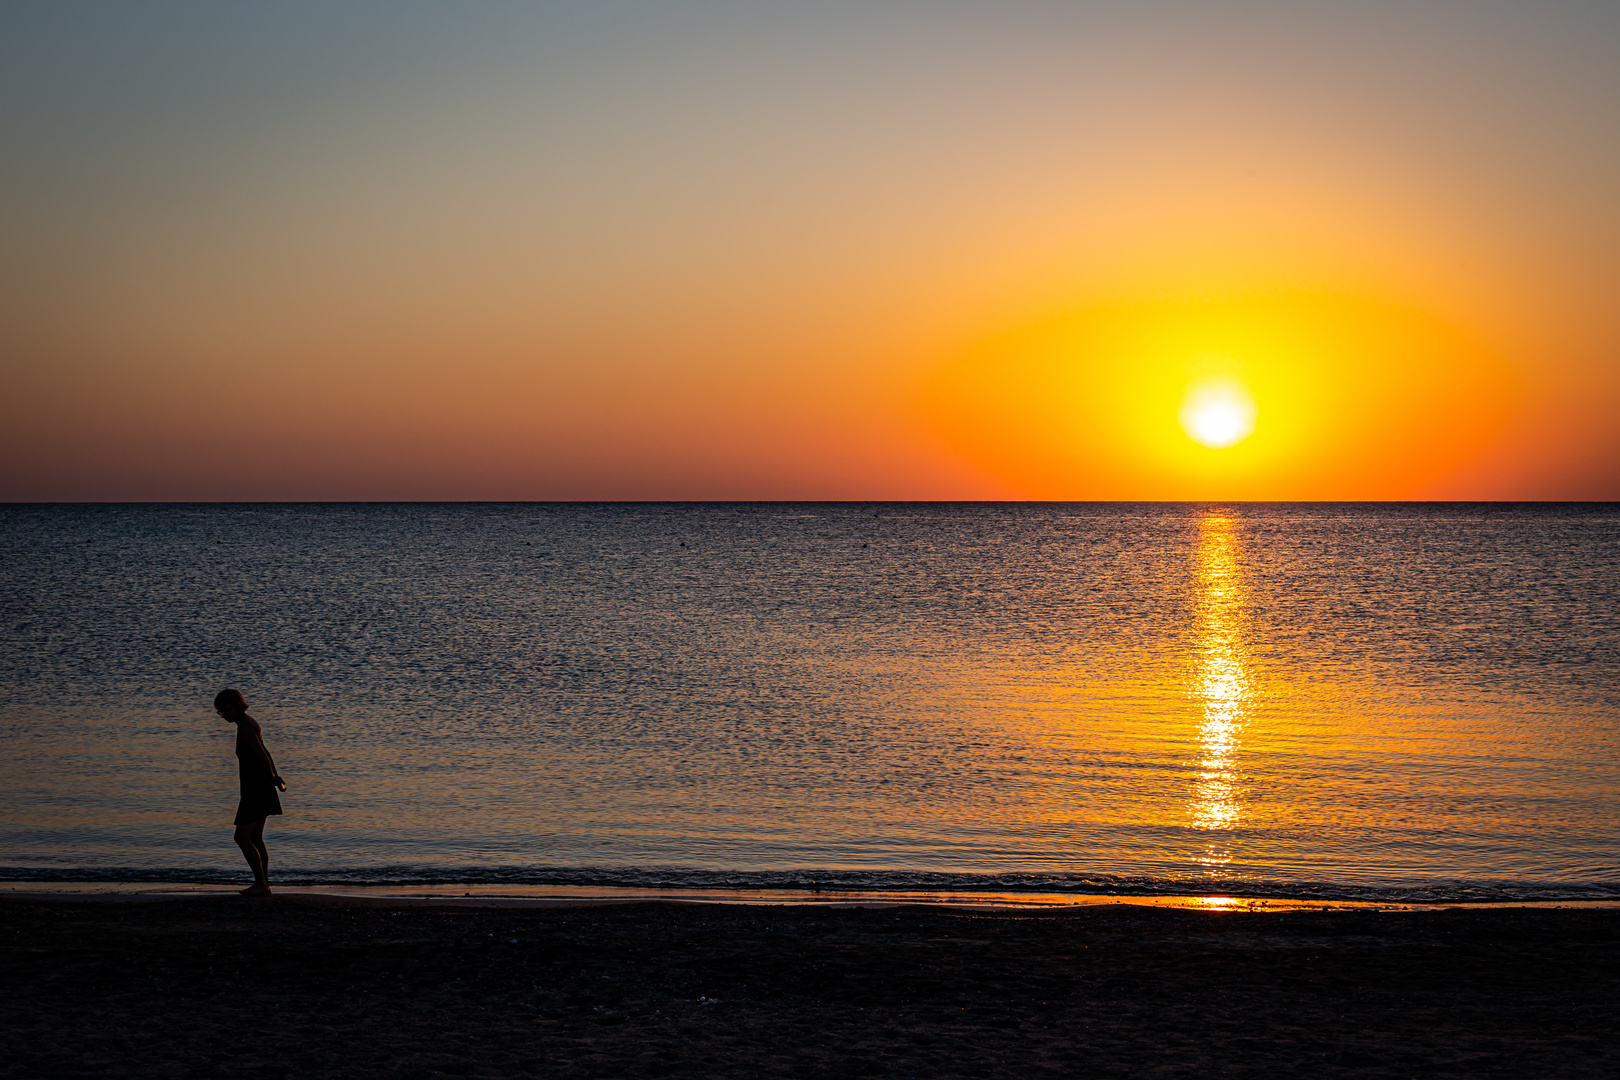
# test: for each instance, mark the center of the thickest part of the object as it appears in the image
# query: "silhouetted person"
(259, 784)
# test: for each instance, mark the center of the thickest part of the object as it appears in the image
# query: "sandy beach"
(311, 986)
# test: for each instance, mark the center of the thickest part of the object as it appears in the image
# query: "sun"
(1218, 412)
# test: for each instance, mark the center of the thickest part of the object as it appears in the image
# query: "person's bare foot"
(254, 890)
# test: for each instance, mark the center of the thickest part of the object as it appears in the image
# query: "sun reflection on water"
(1222, 688)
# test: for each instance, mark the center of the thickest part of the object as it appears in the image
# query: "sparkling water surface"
(1365, 701)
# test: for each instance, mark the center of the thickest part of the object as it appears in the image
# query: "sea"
(1384, 701)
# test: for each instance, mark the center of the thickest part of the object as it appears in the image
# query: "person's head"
(230, 704)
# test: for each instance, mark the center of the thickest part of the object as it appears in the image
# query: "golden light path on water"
(1222, 686)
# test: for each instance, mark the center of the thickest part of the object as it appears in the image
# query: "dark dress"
(259, 798)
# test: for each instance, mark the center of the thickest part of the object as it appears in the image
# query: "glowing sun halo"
(1218, 412)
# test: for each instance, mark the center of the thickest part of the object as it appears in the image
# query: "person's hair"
(230, 701)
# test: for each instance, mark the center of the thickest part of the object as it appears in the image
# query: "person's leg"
(264, 855)
(247, 839)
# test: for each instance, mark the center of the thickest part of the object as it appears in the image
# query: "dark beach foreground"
(308, 987)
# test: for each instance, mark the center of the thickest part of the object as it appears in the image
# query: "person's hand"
(279, 782)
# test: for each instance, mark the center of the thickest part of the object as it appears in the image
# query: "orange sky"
(726, 251)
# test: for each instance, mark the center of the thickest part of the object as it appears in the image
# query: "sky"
(884, 250)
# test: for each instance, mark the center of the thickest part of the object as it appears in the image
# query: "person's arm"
(258, 737)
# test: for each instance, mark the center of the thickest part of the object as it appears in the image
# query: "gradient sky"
(807, 251)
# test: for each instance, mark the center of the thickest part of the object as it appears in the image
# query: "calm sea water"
(1376, 701)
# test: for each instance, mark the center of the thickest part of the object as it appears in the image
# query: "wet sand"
(303, 986)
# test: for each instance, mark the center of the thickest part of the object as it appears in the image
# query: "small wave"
(875, 881)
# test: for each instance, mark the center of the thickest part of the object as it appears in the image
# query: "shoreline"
(474, 895)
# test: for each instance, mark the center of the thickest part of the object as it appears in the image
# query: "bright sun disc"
(1218, 412)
